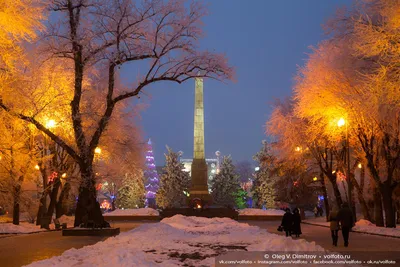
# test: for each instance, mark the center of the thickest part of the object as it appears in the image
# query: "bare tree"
(161, 37)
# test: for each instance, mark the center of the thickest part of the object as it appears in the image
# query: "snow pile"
(363, 222)
(5, 219)
(368, 227)
(22, 228)
(133, 212)
(308, 213)
(177, 241)
(69, 220)
(362, 226)
(271, 212)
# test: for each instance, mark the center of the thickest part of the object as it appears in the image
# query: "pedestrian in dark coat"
(296, 222)
(345, 217)
(334, 225)
(287, 222)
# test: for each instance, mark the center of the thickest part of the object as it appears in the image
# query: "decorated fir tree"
(151, 177)
(132, 192)
(263, 186)
(173, 183)
(225, 186)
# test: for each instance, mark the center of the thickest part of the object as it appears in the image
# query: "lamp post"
(342, 122)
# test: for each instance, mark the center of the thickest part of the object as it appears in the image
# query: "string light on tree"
(151, 176)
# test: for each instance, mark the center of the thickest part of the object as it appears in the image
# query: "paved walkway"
(16, 251)
(357, 242)
(19, 250)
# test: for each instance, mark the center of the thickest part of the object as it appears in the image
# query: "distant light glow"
(315, 179)
(50, 124)
(257, 169)
(97, 150)
(37, 167)
(341, 122)
(297, 149)
(64, 175)
(359, 165)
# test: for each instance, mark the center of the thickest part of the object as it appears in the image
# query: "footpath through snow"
(362, 226)
(178, 241)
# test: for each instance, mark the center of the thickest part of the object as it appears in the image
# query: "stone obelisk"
(199, 187)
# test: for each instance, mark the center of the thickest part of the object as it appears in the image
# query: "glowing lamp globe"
(341, 122)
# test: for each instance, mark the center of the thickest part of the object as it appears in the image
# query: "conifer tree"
(173, 182)
(132, 192)
(226, 184)
(263, 187)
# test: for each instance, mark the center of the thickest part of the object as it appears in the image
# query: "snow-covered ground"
(22, 228)
(272, 212)
(133, 212)
(69, 220)
(368, 227)
(177, 241)
(363, 226)
(27, 228)
(5, 219)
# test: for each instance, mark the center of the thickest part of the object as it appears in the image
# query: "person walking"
(296, 222)
(287, 222)
(345, 217)
(334, 225)
(316, 211)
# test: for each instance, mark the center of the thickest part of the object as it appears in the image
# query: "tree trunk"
(113, 204)
(338, 196)
(17, 198)
(88, 212)
(398, 212)
(387, 193)
(42, 208)
(60, 206)
(378, 207)
(325, 194)
(43, 199)
(53, 197)
(361, 199)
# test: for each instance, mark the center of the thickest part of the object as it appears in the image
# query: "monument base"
(210, 212)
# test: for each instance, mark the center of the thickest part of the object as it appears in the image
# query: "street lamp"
(50, 124)
(343, 122)
(37, 167)
(97, 150)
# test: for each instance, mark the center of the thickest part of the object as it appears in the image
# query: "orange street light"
(341, 122)
(64, 175)
(97, 150)
(50, 124)
(315, 179)
(297, 149)
(37, 167)
(359, 165)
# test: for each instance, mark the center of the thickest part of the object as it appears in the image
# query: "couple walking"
(291, 222)
(341, 220)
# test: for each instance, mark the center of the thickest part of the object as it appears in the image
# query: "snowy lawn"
(27, 228)
(133, 212)
(22, 228)
(177, 241)
(271, 212)
(363, 226)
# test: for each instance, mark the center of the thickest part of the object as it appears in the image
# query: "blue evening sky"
(265, 41)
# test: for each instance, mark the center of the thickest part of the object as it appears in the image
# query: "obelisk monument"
(199, 187)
